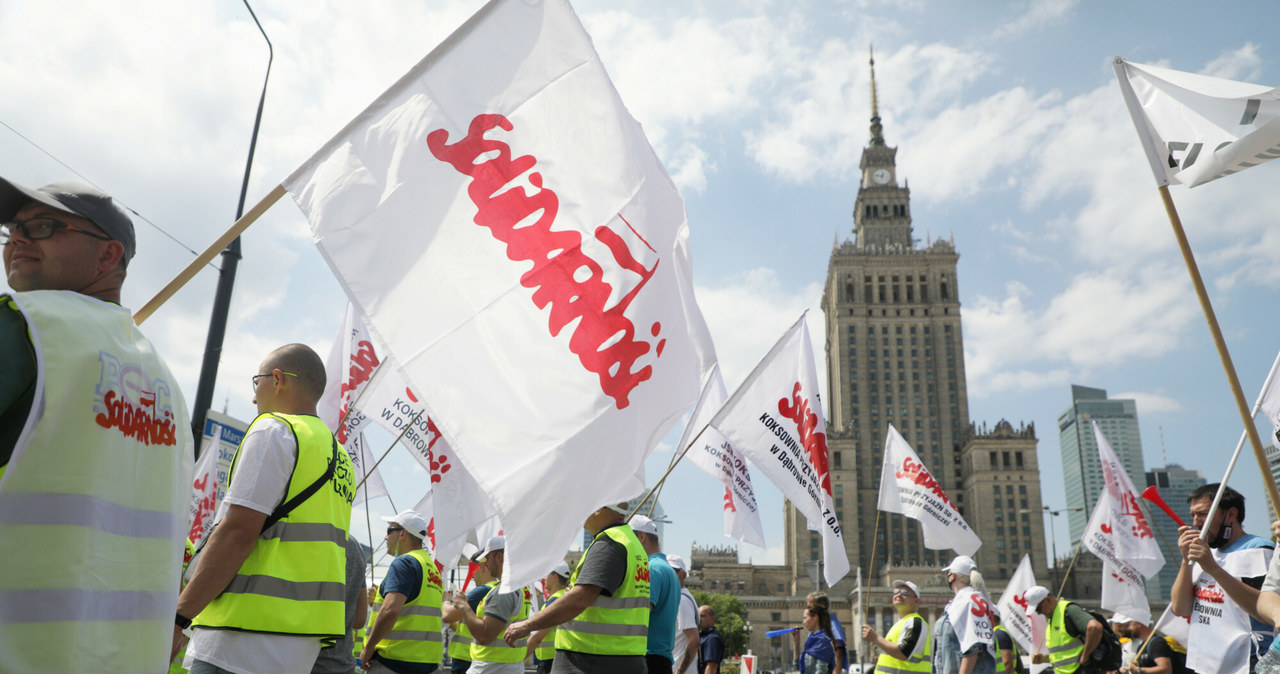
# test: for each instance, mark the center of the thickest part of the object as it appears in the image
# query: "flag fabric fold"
(716, 456)
(775, 419)
(517, 247)
(908, 488)
(1195, 128)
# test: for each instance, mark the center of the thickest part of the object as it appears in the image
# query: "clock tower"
(881, 214)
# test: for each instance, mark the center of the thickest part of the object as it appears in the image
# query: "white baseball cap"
(915, 589)
(962, 565)
(643, 525)
(562, 569)
(411, 522)
(1033, 596)
(1120, 618)
(495, 544)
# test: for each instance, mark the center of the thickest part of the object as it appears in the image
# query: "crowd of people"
(95, 480)
(95, 464)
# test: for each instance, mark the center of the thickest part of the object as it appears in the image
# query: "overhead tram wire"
(82, 177)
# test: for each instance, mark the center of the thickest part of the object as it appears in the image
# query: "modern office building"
(1081, 467)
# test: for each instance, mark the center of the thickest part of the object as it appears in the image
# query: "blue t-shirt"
(405, 577)
(664, 594)
(711, 649)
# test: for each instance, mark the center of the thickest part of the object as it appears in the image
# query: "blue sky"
(1009, 123)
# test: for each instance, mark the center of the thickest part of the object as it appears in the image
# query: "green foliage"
(731, 616)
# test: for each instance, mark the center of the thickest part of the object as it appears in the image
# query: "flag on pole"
(775, 419)
(715, 455)
(1269, 402)
(1027, 630)
(1123, 521)
(516, 246)
(206, 489)
(1196, 128)
(908, 488)
(1171, 625)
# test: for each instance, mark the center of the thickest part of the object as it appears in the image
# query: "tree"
(731, 616)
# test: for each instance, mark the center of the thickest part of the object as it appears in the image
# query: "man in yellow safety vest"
(490, 654)
(407, 636)
(906, 647)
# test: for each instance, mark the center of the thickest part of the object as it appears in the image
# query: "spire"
(877, 132)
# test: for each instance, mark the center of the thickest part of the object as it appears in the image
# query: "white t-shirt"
(686, 618)
(263, 468)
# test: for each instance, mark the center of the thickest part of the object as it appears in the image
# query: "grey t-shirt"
(503, 606)
(605, 566)
(339, 659)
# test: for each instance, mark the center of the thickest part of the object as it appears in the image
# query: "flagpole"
(407, 426)
(1150, 636)
(207, 256)
(875, 538)
(1070, 566)
(1251, 430)
(658, 486)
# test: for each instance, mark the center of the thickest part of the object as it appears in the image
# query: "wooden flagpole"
(866, 596)
(1273, 495)
(211, 252)
(1070, 566)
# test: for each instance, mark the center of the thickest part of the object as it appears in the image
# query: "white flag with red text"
(206, 490)
(716, 455)
(775, 419)
(908, 488)
(358, 382)
(1195, 128)
(1027, 630)
(516, 245)
(1118, 529)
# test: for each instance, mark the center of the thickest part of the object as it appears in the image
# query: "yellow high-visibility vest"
(919, 661)
(417, 634)
(498, 650)
(617, 625)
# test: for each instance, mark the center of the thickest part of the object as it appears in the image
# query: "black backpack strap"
(287, 507)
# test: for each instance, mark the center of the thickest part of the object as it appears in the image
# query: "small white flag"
(716, 455)
(1269, 401)
(206, 489)
(1118, 530)
(1196, 128)
(908, 488)
(775, 419)
(1028, 631)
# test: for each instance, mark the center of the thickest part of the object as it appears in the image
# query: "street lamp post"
(1053, 534)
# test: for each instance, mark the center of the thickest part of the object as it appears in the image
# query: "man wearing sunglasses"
(906, 647)
(95, 445)
(406, 637)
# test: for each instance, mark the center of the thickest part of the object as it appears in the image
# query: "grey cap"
(75, 198)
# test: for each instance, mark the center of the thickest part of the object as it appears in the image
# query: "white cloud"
(1242, 64)
(1150, 403)
(1039, 13)
(769, 556)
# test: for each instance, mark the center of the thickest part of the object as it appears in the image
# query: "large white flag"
(1125, 591)
(1027, 630)
(517, 247)
(908, 488)
(206, 489)
(1123, 584)
(1196, 128)
(1123, 521)
(775, 419)
(716, 455)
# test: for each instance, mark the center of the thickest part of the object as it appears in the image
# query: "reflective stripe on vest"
(417, 634)
(460, 646)
(295, 578)
(93, 500)
(546, 649)
(1064, 649)
(498, 650)
(616, 625)
(919, 661)
(1000, 666)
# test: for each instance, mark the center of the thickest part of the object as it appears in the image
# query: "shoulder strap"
(282, 511)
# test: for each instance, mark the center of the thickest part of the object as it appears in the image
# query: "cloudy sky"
(1009, 123)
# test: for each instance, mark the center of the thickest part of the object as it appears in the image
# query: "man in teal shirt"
(664, 596)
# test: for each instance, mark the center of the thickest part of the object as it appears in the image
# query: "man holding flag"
(906, 647)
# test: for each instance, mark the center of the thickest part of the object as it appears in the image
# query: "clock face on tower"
(881, 176)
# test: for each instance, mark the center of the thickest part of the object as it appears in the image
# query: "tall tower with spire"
(895, 355)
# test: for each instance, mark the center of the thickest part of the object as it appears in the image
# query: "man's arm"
(392, 602)
(362, 608)
(967, 663)
(690, 650)
(1092, 637)
(887, 647)
(564, 609)
(229, 545)
(712, 668)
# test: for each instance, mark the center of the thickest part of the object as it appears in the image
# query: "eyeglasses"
(256, 377)
(391, 530)
(904, 592)
(40, 228)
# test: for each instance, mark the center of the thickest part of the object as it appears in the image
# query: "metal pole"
(227, 274)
